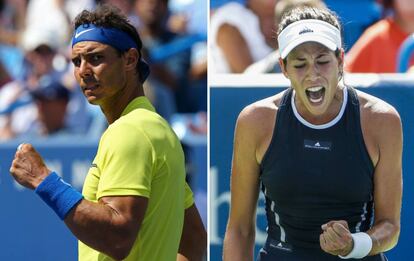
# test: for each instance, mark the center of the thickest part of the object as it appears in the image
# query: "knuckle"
(330, 230)
(337, 245)
(328, 247)
(342, 245)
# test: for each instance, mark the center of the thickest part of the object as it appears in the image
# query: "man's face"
(99, 70)
(313, 71)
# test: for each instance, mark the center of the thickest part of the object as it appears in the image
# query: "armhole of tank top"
(281, 108)
(361, 141)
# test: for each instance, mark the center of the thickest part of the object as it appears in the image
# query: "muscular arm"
(193, 242)
(240, 234)
(109, 226)
(387, 184)
(234, 48)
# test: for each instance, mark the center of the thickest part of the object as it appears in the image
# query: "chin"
(92, 100)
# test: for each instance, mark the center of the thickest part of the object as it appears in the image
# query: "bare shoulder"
(377, 108)
(260, 112)
(379, 115)
(255, 124)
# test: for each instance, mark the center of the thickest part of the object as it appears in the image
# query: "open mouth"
(315, 94)
(90, 87)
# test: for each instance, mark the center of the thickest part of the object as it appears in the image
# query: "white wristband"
(362, 246)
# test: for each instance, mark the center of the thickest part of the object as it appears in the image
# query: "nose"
(313, 72)
(84, 69)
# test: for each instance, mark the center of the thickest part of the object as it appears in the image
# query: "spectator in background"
(241, 34)
(189, 18)
(40, 48)
(42, 64)
(125, 6)
(51, 103)
(49, 15)
(169, 80)
(12, 20)
(377, 49)
(270, 64)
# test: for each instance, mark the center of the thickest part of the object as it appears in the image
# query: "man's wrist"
(58, 195)
(45, 173)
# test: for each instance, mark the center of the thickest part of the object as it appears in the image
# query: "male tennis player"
(135, 203)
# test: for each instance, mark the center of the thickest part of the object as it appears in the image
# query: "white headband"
(308, 30)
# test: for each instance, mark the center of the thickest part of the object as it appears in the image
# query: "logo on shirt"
(282, 246)
(317, 145)
(306, 30)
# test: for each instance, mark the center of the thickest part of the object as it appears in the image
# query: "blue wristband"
(58, 194)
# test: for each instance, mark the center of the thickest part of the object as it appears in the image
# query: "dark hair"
(109, 16)
(387, 4)
(284, 6)
(302, 13)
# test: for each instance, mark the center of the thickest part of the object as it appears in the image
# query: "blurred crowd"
(39, 96)
(243, 34)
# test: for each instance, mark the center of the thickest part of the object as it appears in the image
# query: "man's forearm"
(102, 228)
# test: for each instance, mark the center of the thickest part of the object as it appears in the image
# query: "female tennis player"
(323, 154)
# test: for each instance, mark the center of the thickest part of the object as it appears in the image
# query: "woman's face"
(313, 71)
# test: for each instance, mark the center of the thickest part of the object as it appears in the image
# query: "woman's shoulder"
(261, 109)
(377, 113)
(374, 105)
(258, 118)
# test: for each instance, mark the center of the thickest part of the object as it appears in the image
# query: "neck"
(406, 23)
(113, 109)
(328, 116)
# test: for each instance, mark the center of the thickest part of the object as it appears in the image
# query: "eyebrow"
(87, 53)
(322, 54)
(300, 58)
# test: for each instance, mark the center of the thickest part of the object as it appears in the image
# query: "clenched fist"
(336, 238)
(28, 168)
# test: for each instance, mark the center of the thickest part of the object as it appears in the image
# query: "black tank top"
(312, 174)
